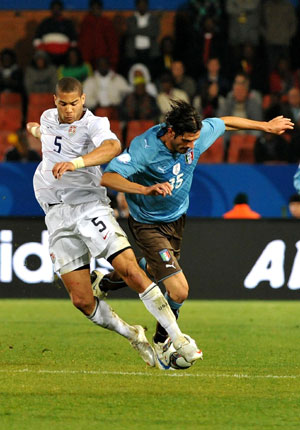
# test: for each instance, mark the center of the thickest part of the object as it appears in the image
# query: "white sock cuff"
(148, 289)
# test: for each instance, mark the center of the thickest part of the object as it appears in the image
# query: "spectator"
(106, 87)
(139, 104)
(241, 209)
(278, 14)
(11, 75)
(55, 34)
(98, 37)
(21, 150)
(252, 63)
(281, 78)
(141, 38)
(181, 80)
(41, 75)
(243, 25)
(242, 102)
(74, 66)
(140, 70)
(271, 148)
(209, 101)
(168, 93)
(213, 74)
(294, 206)
(164, 61)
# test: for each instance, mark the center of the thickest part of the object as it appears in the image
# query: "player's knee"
(134, 276)
(180, 294)
(82, 303)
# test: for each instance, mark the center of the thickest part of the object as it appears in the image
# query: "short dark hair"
(240, 198)
(68, 85)
(183, 118)
(294, 198)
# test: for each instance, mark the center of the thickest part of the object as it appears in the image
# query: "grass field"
(59, 371)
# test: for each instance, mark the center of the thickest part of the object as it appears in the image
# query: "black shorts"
(160, 244)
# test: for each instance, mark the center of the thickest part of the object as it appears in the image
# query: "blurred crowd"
(233, 57)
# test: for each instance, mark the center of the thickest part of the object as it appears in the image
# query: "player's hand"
(60, 168)
(30, 126)
(163, 189)
(279, 125)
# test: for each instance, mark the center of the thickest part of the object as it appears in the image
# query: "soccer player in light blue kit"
(156, 174)
(297, 180)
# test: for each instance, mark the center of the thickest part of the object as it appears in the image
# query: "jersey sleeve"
(212, 129)
(131, 161)
(99, 130)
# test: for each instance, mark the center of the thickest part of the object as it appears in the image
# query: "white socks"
(158, 306)
(104, 316)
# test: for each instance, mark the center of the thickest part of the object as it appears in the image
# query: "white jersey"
(64, 142)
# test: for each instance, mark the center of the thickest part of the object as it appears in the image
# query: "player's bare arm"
(103, 154)
(34, 129)
(277, 125)
(119, 183)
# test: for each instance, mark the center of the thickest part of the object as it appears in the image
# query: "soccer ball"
(174, 359)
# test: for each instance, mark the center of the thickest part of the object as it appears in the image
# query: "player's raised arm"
(119, 183)
(34, 129)
(103, 154)
(277, 125)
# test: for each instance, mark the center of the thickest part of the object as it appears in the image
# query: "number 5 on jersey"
(57, 143)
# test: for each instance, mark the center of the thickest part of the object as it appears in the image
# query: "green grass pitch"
(58, 371)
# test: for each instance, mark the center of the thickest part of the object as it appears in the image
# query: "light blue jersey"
(148, 161)
(297, 180)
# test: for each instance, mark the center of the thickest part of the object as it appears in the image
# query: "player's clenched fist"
(60, 168)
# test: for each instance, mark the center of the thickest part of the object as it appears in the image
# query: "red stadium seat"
(10, 118)
(214, 154)
(241, 148)
(11, 99)
(135, 128)
(41, 99)
(116, 128)
(110, 112)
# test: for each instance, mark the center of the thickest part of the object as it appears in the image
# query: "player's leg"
(67, 246)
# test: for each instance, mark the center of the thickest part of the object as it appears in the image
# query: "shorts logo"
(124, 158)
(72, 130)
(189, 157)
(165, 255)
(176, 169)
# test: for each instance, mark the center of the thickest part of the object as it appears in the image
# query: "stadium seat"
(11, 99)
(39, 99)
(110, 112)
(116, 128)
(10, 118)
(241, 148)
(215, 153)
(134, 128)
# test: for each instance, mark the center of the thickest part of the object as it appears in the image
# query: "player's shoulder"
(91, 120)
(50, 115)
(213, 122)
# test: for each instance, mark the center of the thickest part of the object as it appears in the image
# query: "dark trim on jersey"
(111, 257)
(86, 266)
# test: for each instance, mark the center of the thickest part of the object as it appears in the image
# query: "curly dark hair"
(183, 118)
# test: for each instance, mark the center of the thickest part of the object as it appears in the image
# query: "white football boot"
(142, 346)
(186, 346)
(162, 354)
(96, 278)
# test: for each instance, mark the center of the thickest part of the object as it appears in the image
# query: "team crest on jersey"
(189, 157)
(72, 130)
(176, 169)
(165, 255)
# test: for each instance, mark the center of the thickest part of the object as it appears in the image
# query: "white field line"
(152, 374)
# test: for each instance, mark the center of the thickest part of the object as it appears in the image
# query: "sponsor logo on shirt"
(124, 158)
(165, 255)
(176, 169)
(72, 130)
(189, 156)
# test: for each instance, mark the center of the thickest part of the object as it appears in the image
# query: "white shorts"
(79, 232)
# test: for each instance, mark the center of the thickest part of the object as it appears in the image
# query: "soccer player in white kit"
(80, 221)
